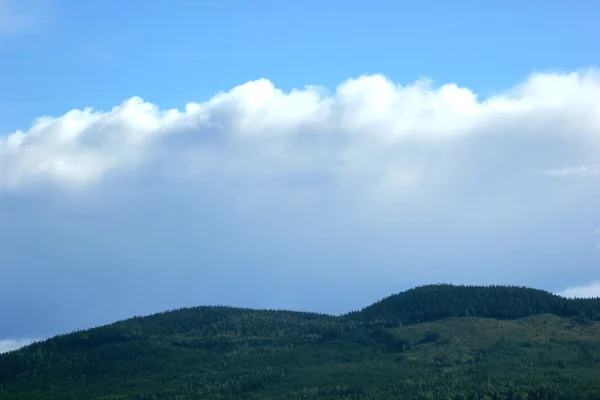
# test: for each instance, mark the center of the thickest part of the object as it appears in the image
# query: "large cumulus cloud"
(369, 127)
(258, 196)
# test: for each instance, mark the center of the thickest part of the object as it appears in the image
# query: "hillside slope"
(433, 302)
(377, 353)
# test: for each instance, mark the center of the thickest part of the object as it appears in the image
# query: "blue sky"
(428, 141)
(98, 53)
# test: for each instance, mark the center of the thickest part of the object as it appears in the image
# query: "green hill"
(433, 302)
(431, 342)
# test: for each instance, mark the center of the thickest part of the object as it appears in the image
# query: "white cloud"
(583, 170)
(591, 290)
(7, 345)
(282, 178)
(370, 132)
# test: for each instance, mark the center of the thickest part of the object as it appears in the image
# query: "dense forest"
(433, 302)
(431, 342)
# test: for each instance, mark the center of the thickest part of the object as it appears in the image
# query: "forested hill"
(433, 302)
(385, 351)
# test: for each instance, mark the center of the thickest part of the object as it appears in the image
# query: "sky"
(305, 155)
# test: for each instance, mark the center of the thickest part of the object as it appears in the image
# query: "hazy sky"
(312, 155)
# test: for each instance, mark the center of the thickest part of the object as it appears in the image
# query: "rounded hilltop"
(433, 302)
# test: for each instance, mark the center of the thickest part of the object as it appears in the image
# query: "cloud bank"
(592, 290)
(13, 344)
(258, 197)
(370, 127)
(582, 170)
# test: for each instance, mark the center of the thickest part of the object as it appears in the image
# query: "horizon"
(8, 345)
(157, 155)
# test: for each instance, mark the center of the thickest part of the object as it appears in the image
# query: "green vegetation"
(432, 342)
(433, 302)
